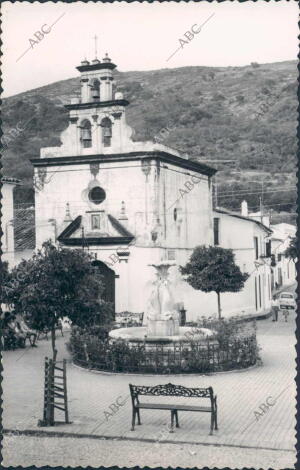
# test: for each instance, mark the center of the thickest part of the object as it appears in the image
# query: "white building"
(129, 203)
(103, 191)
(283, 269)
(250, 241)
(7, 219)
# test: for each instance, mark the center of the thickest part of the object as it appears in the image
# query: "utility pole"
(261, 201)
(96, 44)
(82, 237)
(215, 192)
(261, 209)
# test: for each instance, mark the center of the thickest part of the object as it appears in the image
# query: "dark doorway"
(108, 280)
(280, 276)
(272, 279)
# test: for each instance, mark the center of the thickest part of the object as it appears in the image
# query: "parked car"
(286, 301)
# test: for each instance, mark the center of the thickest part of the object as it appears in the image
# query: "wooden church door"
(108, 281)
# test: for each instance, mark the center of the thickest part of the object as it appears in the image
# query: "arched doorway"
(108, 280)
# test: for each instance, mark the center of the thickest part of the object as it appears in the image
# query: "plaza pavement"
(240, 395)
(49, 452)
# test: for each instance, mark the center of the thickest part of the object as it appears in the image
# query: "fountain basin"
(138, 335)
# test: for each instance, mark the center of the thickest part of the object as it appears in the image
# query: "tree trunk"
(219, 305)
(54, 351)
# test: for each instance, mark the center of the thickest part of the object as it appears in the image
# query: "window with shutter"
(216, 231)
(256, 247)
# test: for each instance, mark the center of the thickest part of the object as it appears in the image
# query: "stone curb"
(36, 433)
(130, 374)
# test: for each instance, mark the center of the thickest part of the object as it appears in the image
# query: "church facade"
(131, 204)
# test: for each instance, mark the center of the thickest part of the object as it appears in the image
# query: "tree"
(4, 285)
(292, 250)
(4, 278)
(213, 269)
(57, 283)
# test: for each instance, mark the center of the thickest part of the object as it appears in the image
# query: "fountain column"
(162, 318)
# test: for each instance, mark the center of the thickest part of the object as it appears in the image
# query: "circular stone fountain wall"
(139, 335)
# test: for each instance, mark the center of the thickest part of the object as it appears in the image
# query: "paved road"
(50, 451)
(244, 417)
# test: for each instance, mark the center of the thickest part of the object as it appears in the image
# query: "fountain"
(161, 319)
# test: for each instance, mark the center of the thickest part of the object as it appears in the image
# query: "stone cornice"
(96, 104)
(130, 156)
(93, 67)
(6, 179)
(96, 241)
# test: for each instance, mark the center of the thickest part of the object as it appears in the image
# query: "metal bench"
(172, 390)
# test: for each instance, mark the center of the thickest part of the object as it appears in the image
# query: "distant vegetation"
(211, 112)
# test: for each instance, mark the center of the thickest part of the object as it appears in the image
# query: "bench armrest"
(134, 399)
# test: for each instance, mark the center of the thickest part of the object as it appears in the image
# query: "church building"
(130, 204)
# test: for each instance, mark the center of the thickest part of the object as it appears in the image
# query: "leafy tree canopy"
(292, 250)
(213, 269)
(57, 283)
(4, 273)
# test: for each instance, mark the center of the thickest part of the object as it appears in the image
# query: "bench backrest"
(170, 390)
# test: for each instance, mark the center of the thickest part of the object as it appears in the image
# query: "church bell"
(86, 135)
(107, 132)
(95, 94)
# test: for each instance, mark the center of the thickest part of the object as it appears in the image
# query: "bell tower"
(96, 80)
(97, 121)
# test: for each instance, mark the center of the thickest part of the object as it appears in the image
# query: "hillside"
(211, 111)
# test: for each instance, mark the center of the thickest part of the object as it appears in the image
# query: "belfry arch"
(95, 90)
(106, 126)
(86, 133)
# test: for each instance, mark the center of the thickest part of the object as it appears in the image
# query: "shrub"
(270, 82)
(10, 340)
(146, 95)
(233, 346)
(99, 331)
(199, 113)
(248, 74)
(240, 99)
(265, 90)
(218, 97)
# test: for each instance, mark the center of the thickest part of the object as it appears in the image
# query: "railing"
(191, 357)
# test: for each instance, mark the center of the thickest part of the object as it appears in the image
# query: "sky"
(140, 36)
